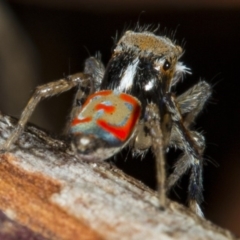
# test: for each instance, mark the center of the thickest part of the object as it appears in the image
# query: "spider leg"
(95, 69)
(42, 92)
(191, 143)
(186, 162)
(155, 132)
(191, 102)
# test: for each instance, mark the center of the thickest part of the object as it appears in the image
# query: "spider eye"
(166, 65)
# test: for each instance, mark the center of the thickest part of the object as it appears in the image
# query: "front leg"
(42, 92)
(152, 123)
(149, 134)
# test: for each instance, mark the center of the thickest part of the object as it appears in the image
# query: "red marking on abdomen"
(106, 108)
(122, 132)
(76, 121)
(129, 99)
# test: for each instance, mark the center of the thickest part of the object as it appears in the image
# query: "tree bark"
(51, 192)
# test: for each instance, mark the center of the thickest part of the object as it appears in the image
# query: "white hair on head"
(180, 71)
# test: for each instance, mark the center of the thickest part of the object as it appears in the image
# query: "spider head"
(144, 65)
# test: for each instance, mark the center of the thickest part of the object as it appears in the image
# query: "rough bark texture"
(54, 195)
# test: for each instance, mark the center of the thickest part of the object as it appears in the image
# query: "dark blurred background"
(41, 41)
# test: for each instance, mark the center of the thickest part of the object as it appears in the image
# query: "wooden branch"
(56, 195)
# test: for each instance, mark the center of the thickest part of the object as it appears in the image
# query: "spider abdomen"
(104, 125)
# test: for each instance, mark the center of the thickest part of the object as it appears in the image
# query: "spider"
(144, 66)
